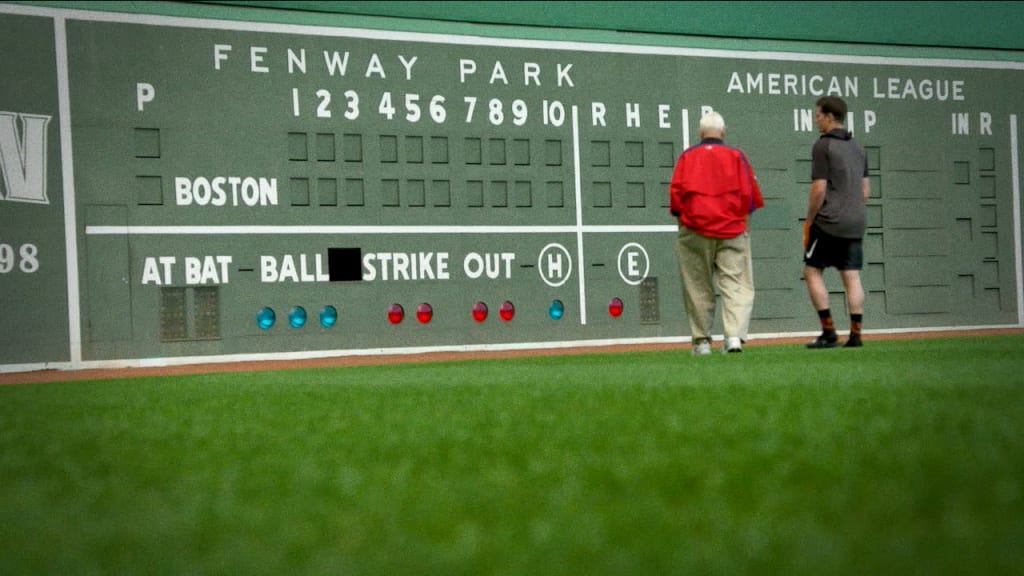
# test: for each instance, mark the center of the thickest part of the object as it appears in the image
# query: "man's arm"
(816, 198)
(865, 188)
(749, 185)
(675, 188)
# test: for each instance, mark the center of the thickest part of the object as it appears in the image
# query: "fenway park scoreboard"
(187, 190)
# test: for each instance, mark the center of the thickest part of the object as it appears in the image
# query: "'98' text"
(24, 258)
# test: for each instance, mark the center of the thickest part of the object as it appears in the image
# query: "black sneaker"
(824, 341)
(853, 341)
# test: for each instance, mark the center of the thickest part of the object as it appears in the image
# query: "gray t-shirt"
(839, 159)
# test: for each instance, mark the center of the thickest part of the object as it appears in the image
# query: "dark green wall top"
(990, 25)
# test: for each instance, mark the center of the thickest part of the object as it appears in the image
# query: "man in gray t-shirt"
(834, 229)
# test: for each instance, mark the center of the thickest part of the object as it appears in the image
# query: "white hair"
(712, 121)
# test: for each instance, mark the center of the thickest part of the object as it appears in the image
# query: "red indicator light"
(424, 313)
(396, 313)
(479, 311)
(615, 307)
(507, 311)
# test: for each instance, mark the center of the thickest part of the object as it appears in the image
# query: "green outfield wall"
(197, 182)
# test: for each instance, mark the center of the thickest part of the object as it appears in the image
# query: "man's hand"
(807, 233)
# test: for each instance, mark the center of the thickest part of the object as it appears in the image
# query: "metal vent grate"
(649, 301)
(173, 320)
(189, 313)
(206, 310)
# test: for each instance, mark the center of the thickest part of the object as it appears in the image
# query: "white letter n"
(23, 160)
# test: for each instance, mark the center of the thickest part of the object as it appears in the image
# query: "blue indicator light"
(328, 316)
(556, 309)
(297, 317)
(265, 318)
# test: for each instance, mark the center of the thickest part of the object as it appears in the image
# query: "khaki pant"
(705, 263)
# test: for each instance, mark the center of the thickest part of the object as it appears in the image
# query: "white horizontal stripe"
(313, 354)
(348, 230)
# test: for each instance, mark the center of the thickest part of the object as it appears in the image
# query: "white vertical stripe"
(1015, 177)
(68, 173)
(686, 128)
(577, 178)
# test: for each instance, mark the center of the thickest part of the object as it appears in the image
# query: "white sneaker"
(702, 348)
(732, 344)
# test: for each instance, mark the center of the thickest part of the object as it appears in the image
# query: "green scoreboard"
(187, 190)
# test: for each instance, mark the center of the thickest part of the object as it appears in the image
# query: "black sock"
(827, 327)
(855, 323)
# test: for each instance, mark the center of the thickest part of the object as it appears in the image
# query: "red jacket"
(713, 189)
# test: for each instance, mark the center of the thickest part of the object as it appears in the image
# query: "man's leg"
(854, 290)
(695, 261)
(735, 279)
(816, 288)
(819, 299)
(855, 302)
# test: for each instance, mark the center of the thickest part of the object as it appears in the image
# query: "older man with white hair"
(712, 194)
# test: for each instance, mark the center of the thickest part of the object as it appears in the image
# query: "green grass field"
(905, 457)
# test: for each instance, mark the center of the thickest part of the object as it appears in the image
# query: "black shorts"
(825, 250)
